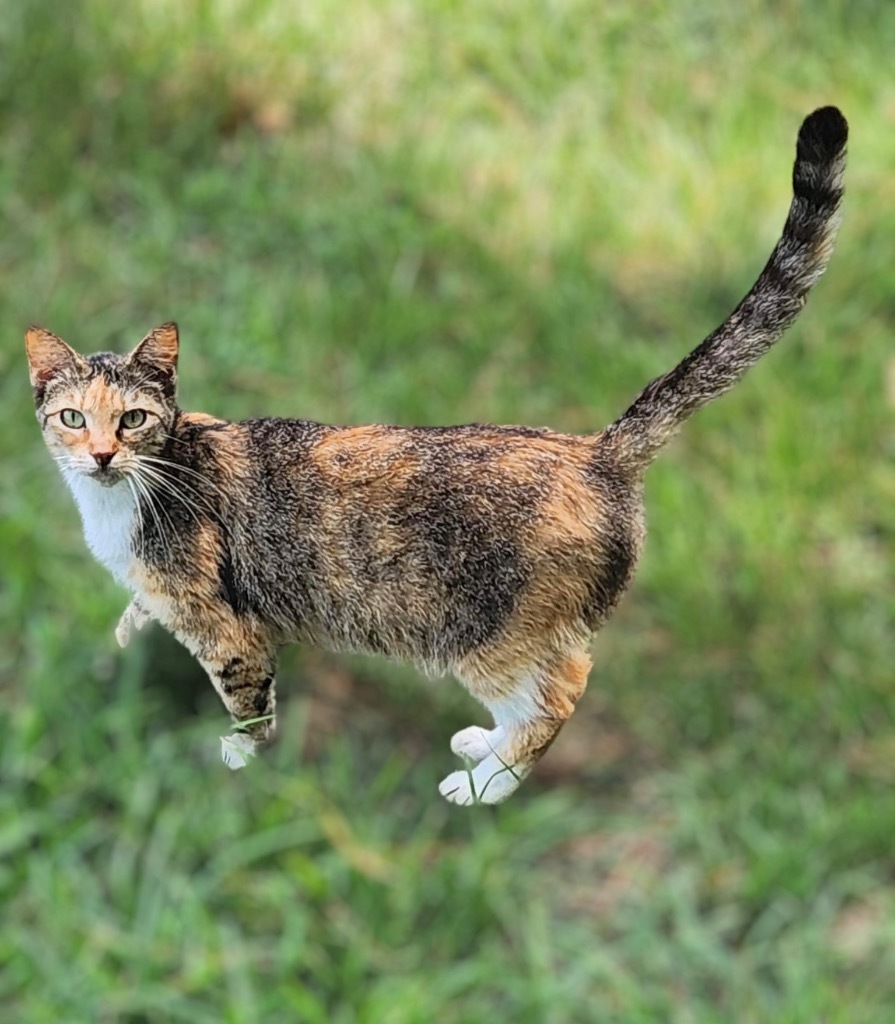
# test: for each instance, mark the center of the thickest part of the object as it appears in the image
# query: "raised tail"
(776, 299)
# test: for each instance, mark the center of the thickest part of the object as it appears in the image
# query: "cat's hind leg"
(528, 717)
(476, 743)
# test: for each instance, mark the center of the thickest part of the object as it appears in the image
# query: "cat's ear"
(159, 350)
(48, 356)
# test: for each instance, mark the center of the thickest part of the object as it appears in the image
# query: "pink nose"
(103, 458)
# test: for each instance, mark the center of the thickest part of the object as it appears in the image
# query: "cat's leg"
(246, 684)
(528, 717)
(135, 617)
(475, 742)
(241, 663)
(240, 657)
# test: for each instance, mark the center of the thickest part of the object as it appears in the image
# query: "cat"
(490, 552)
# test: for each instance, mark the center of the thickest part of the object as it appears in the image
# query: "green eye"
(133, 418)
(72, 418)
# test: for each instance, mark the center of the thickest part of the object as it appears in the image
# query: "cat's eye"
(133, 418)
(72, 418)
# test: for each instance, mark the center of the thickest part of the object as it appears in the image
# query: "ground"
(431, 213)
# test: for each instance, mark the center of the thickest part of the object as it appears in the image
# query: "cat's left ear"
(159, 350)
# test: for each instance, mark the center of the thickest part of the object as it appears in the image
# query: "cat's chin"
(106, 477)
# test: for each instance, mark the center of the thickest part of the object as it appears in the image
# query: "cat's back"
(425, 541)
(506, 474)
(532, 485)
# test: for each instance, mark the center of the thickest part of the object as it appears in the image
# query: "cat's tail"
(776, 299)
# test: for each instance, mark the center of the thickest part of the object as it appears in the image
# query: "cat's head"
(101, 413)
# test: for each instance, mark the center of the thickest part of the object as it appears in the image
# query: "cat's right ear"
(48, 356)
(159, 350)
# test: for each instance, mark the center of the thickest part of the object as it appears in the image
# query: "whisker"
(161, 465)
(141, 486)
(132, 488)
(148, 482)
(167, 487)
(178, 440)
(197, 508)
(173, 486)
(161, 470)
(184, 469)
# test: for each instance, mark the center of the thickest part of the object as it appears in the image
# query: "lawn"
(438, 212)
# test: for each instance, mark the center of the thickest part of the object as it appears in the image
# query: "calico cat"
(493, 553)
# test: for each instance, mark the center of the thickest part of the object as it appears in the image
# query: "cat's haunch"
(492, 553)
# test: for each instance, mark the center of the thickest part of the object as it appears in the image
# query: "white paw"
(490, 782)
(123, 629)
(456, 788)
(133, 617)
(494, 780)
(475, 743)
(139, 616)
(237, 750)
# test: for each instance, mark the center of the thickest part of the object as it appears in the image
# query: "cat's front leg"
(246, 684)
(240, 656)
(135, 617)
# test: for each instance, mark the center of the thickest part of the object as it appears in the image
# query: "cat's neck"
(109, 518)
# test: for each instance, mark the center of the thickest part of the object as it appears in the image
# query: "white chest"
(109, 518)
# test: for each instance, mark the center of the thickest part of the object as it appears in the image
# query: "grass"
(440, 213)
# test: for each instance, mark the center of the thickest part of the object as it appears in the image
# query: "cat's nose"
(103, 459)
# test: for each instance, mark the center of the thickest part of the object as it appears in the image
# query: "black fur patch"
(231, 591)
(620, 559)
(261, 699)
(475, 562)
(232, 668)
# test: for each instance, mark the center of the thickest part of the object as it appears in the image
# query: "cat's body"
(493, 553)
(413, 543)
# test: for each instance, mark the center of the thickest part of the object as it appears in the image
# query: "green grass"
(438, 212)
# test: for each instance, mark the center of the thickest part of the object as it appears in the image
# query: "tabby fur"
(492, 553)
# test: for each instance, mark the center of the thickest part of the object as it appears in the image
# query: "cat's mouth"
(107, 476)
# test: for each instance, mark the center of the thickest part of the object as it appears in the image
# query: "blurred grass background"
(441, 212)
